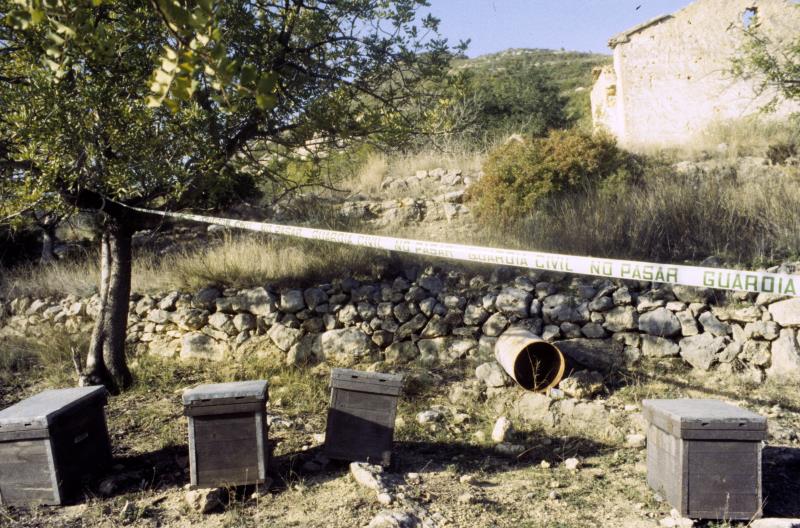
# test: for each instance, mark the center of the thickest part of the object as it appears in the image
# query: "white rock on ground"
(394, 519)
(502, 430)
(204, 500)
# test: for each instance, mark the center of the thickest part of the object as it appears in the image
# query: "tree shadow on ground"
(429, 456)
(780, 471)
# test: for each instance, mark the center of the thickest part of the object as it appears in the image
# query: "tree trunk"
(105, 362)
(48, 244)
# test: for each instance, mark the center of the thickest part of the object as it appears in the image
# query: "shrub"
(519, 174)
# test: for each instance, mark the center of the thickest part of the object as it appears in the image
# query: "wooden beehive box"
(704, 457)
(227, 433)
(49, 443)
(361, 416)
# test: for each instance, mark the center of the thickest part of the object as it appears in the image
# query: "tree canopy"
(179, 103)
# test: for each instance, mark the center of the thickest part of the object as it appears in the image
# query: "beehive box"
(50, 443)
(361, 416)
(704, 457)
(227, 433)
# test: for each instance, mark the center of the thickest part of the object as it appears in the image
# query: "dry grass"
(735, 138)
(239, 261)
(670, 218)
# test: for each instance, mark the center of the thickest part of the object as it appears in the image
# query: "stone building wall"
(671, 75)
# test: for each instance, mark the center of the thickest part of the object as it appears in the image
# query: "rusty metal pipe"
(533, 363)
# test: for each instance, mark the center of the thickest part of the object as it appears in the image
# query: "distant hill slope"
(570, 70)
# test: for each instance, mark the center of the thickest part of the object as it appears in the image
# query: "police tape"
(719, 278)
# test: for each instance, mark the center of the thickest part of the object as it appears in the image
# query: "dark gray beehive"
(704, 457)
(227, 433)
(361, 415)
(49, 443)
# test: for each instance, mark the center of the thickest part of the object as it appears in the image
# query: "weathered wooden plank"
(227, 441)
(360, 425)
(705, 466)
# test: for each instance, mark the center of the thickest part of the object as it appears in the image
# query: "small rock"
(582, 384)
(553, 495)
(429, 416)
(466, 498)
(368, 475)
(204, 500)
(572, 464)
(502, 430)
(635, 440)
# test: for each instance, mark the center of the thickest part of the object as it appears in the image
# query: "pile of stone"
(430, 316)
(428, 195)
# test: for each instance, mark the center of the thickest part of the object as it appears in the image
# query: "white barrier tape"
(719, 278)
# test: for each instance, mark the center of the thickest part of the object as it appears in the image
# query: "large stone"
(436, 327)
(206, 299)
(659, 347)
(190, 318)
(621, 318)
(346, 345)
(514, 301)
(258, 301)
(701, 351)
(401, 352)
(431, 283)
(688, 323)
(691, 294)
(659, 322)
(158, 316)
(314, 297)
(739, 314)
(229, 305)
(492, 374)
(413, 326)
(495, 325)
(595, 354)
(222, 322)
(559, 308)
(785, 356)
(582, 384)
(769, 330)
(292, 301)
(283, 336)
(475, 315)
(711, 324)
(786, 313)
(534, 407)
(200, 346)
(205, 500)
(168, 301)
(244, 322)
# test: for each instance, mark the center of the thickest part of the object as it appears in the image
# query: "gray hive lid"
(691, 416)
(374, 382)
(226, 393)
(39, 411)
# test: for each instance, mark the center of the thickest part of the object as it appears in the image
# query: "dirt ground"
(462, 481)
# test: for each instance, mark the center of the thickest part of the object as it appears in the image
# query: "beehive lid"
(39, 411)
(226, 393)
(373, 382)
(693, 416)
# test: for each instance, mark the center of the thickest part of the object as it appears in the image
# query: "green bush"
(518, 175)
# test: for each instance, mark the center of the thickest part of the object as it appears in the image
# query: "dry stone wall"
(430, 316)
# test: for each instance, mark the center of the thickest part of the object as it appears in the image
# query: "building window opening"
(749, 17)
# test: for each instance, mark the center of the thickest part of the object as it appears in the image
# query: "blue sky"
(579, 25)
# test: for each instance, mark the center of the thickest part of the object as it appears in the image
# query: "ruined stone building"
(671, 77)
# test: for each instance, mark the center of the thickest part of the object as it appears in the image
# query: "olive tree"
(107, 104)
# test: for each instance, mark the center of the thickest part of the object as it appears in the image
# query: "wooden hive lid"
(235, 392)
(38, 412)
(691, 417)
(373, 382)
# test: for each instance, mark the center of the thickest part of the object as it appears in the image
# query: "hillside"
(571, 71)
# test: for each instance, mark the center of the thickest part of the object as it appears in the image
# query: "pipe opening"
(539, 366)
